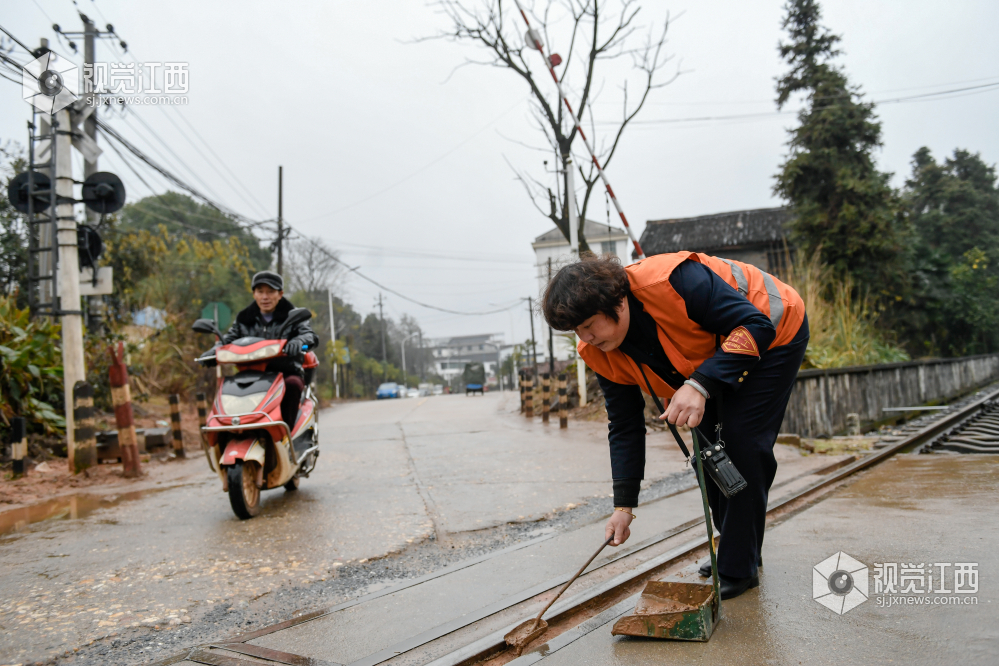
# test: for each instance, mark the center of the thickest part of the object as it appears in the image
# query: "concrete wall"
(821, 399)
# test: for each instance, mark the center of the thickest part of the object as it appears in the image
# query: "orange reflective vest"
(687, 344)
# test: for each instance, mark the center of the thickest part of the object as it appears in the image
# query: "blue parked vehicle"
(389, 390)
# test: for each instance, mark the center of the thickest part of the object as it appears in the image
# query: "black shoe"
(729, 588)
(705, 570)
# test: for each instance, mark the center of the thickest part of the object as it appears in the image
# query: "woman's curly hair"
(582, 289)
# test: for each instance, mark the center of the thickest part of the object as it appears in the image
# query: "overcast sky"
(401, 166)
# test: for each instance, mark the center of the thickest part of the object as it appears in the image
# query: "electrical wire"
(986, 87)
(354, 271)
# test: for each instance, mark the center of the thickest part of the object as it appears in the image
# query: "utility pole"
(381, 317)
(336, 384)
(570, 202)
(423, 361)
(67, 271)
(90, 122)
(534, 344)
(280, 223)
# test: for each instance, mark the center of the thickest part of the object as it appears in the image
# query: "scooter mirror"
(296, 317)
(206, 326)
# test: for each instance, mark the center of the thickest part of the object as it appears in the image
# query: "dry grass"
(842, 319)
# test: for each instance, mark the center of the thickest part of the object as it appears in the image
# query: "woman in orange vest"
(723, 341)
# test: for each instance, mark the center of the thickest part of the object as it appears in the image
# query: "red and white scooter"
(248, 444)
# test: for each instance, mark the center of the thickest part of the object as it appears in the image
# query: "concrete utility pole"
(570, 202)
(423, 361)
(90, 123)
(280, 223)
(336, 384)
(68, 272)
(381, 318)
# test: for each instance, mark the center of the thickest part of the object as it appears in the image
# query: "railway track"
(608, 590)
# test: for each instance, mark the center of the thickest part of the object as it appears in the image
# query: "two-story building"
(552, 247)
(450, 355)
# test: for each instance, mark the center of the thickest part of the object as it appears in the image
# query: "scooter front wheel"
(244, 496)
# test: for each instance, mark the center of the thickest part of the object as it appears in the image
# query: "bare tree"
(312, 266)
(595, 34)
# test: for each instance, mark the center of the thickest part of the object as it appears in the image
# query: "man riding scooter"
(263, 319)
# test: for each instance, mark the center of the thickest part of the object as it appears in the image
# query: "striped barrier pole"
(84, 433)
(534, 37)
(563, 403)
(545, 396)
(523, 403)
(528, 397)
(18, 445)
(178, 435)
(121, 398)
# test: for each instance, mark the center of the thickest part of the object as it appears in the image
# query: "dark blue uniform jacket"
(714, 306)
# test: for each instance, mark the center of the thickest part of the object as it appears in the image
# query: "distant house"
(757, 237)
(602, 239)
(451, 355)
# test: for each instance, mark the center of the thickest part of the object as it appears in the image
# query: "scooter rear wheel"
(292, 483)
(244, 496)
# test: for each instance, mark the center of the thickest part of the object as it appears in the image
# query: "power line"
(986, 87)
(225, 166)
(177, 157)
(112, 133)
(356, 272)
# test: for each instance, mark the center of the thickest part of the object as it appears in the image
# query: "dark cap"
(270, 278)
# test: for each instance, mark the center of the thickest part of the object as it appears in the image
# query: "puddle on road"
(69, 507)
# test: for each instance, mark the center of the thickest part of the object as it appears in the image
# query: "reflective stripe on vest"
(773, 293)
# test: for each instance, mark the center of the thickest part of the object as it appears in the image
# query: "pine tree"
(842, 203)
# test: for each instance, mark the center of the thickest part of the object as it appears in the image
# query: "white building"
(603, 239)
(451, 355)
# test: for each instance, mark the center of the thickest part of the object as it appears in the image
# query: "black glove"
(293, 348)
(208, 358)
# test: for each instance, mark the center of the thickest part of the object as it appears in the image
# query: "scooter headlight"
(229, 356)
(241, 404)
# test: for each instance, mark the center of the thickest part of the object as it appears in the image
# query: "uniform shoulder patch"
(740, 341)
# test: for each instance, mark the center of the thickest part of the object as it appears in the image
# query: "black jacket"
(250, 324)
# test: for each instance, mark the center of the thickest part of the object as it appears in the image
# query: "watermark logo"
(926, 583)
(136, 83)
(839, 583)
(50, 83)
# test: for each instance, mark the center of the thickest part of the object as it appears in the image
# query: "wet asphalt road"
(429, 481)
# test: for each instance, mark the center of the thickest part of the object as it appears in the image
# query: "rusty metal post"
(121, 398)
(18, 445)
(178, 435)
(545, 396)
(528, 396)
(85, 434)
(563, 403)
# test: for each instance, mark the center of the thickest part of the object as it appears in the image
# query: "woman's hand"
(686, 408)
(617, 527)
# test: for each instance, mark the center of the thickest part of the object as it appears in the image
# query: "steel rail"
(612, 596)
(495, 643)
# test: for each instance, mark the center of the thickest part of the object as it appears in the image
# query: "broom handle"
(537, 620)
(707, 514)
